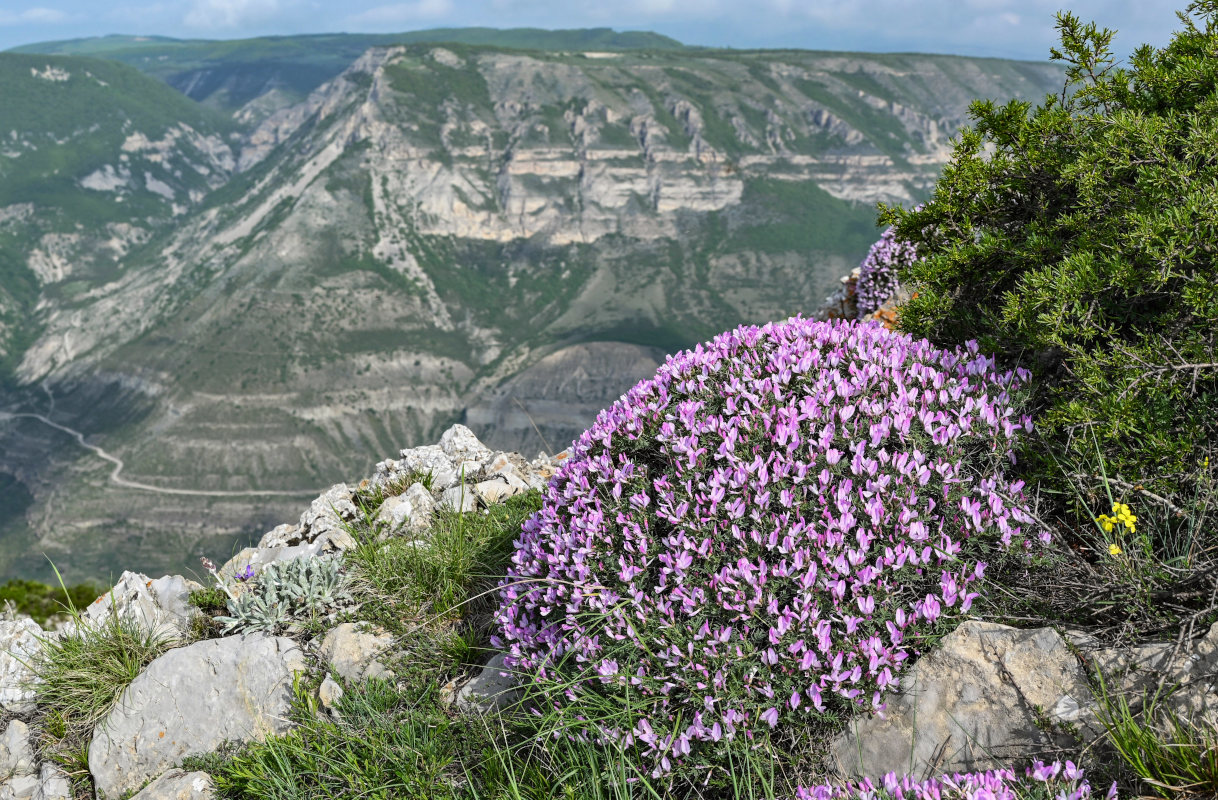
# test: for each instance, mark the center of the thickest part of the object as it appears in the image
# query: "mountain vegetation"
(229, 74)
(268, 299)
(1077, 239)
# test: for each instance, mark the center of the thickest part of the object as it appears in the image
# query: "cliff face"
(446, 233)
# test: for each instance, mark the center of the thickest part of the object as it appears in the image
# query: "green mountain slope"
(94, 158)
(230, 74)
(463, 232)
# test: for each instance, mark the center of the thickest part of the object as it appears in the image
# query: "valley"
(276, 287)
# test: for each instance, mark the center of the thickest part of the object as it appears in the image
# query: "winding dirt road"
(117, 478)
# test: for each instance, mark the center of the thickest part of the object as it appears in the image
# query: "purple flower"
(686, 514)
(878, 273)
(246, 574)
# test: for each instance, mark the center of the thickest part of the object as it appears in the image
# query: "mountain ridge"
(449, 233)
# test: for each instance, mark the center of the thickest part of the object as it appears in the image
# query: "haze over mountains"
(248, 270)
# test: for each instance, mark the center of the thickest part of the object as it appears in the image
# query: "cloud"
(216, 14)
(403, 13)
(33, 16)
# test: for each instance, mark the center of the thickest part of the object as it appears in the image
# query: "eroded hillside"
(513, 238)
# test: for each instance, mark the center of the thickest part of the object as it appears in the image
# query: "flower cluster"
(760, 532)
(1121, 515)
(1056, 780)
(878, 272)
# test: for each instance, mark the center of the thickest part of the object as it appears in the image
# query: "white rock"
(460, 444)
(495, 491)
(332, 511)
(53, 784)
(411, 511)
(189, 701)
(177, 784)
(161, 606)
(969, 705)
(18, 644)
(352, 648)
(260, 557)
(282, 536)
(16, 756)
(426, 460)
(459, 498)
(329, 693)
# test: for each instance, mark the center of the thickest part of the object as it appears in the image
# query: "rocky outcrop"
(352, 650)
(159, 606)
(189, 701)
(985, 696)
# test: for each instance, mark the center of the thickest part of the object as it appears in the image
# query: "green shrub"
(1077, 239)
(41, 601)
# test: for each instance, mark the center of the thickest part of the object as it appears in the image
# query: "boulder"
(492, 688)
(20, 787)
(330, 512)
(260, 557)
(351, 648)
(18, 644)
(426, 460)
(189, 701)
(979, 701)
(496, 490)
(177, 784)
(49, 783)
(460, 444)
(53, 784)
(161, 606)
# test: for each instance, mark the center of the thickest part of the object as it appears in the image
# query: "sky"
(1000, 28)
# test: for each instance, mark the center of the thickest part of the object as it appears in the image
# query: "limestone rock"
(191, 699)
(18, 644)
(459, 498)
(970, 705)
(282, 536)
(426, 460)
(352, 651)
(20, 787)
(16, 755)
(260, 557)
(492, 688)
(495, 491)
(411, 511)
(176, 784)
(329, 693)
(53, 784)
(160, 605)
(329, 512)
(1192, 675)
(460, 444)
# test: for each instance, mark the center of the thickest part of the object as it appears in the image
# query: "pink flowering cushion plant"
(760, 532)
(878, 273)
(1054, 781)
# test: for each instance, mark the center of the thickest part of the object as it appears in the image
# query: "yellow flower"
(1113, 549)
